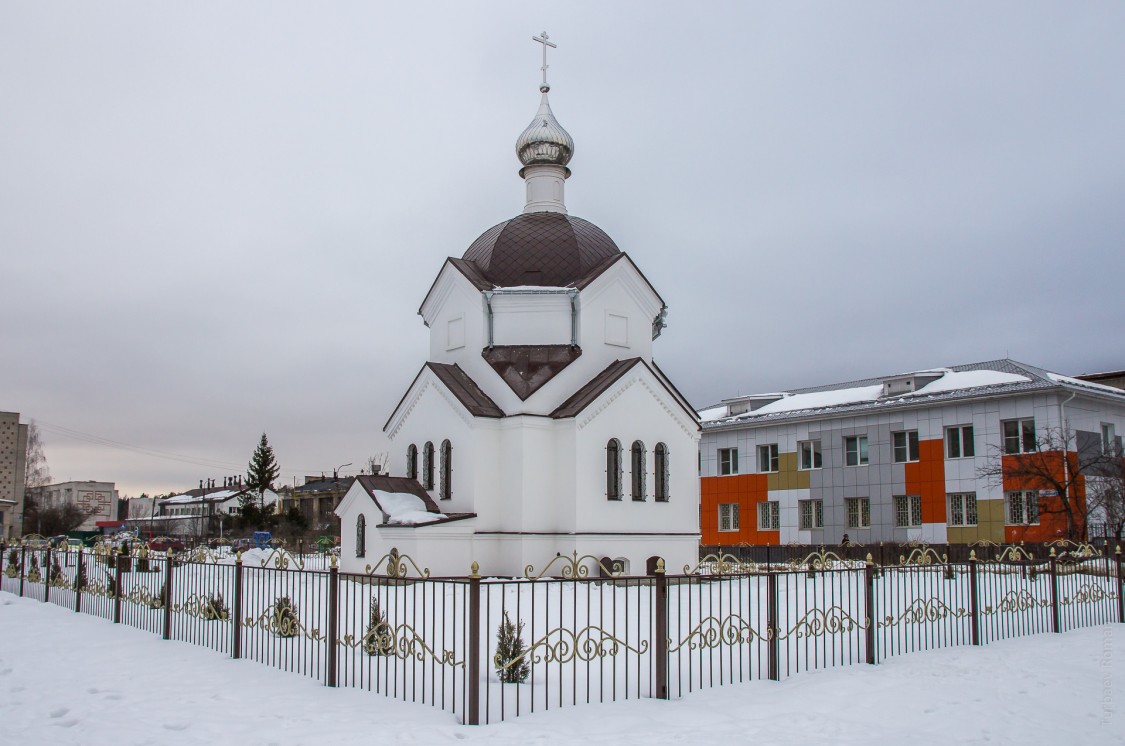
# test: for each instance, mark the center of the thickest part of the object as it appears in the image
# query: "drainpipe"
(573, 294)
(488, 304)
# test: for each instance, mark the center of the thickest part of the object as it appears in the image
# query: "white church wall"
(531, 319)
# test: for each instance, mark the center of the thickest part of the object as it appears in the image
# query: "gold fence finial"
(1118, 550)
(238, 557)
(332, 562)
(870, 559)
(659, 565)
(169, 552)
(1052, 550)
(972, 555)
(474, 570)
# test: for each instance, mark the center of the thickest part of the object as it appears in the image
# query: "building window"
(361, 536)
(959, 442)
(428, 466)
(728, 516)
(769, 516)
(728, 461)
(613, 469)
(1109, 438)
(1019, 435)
(855, 450)
(1023, 507)
(859, 512)
(445, 489)
(905, 445)
(908, 510)
(809, 451)
(767, 458)
(963, 509)
(811, 514)
(660, 472)
(637, 474)
(412, 461)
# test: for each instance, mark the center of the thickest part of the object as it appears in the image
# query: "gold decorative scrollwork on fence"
(141, 595)
(819, 560)
(587, 644)
(1021, 600)
(573, 567)
(1073, 551)
(397, 566)
(1088, 593)
(1014, 553)
(923, 555)
(283, 621)
(713, 632)
(207, 608)
(402, 642)
(922, 610)
(985, 543)
(97, 588)
(819, 622)
(203, 555)
(279, 559)
(723, 564)
(33, 575)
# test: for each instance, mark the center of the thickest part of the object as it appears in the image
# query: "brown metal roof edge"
(600, 269)
(594, 388)
(445, 518)
(684, 403)
(466, 268)
(404, 395)
(498, 355)
(477, 407)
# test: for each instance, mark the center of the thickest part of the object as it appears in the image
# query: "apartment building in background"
(13, 451)
(897, 458)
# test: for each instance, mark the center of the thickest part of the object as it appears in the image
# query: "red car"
(163, 544)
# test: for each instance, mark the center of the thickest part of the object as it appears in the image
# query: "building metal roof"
(466, 390)
(1037, 380)
(526, 368)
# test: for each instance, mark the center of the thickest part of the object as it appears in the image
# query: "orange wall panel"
(1052, 519)
(926, 477)
(745, 489)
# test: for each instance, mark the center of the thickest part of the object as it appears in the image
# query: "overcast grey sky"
(220, 218)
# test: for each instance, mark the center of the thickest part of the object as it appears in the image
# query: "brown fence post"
(333, 621)
(869, 611)
(23, 565)
(118, 562)
(236, 642)
(660, 649)
(771, 625)
(1055, 627)
(168, 595)
(472, 717)
(974, 600)
(79, 581)
(47, 575)
(1120, 588)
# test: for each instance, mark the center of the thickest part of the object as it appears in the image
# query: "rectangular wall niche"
(455, 333)
(616, 329)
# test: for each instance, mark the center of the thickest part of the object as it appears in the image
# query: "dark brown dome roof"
(540, 248)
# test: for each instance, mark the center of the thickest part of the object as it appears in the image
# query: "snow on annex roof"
(945, 384)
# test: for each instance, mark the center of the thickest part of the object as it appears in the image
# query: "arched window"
(361, 536)
(412, 462)
(660, 472)
(637, 469)
(613, 469)
(445, 489)
(428, 465)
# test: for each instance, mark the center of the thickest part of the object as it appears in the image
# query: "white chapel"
(540, 424)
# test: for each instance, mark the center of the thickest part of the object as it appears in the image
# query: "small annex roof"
(404, 501)
(941, 384)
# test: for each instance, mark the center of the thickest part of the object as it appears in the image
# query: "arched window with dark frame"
(445, 488)
(613, 469)
(660, 472)
(637, 470)
(428, 465)
(361, 536)
(412, 461)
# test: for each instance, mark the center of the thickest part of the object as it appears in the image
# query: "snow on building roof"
(962, 381)
(404, 509)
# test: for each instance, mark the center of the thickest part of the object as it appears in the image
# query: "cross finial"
(543, 39)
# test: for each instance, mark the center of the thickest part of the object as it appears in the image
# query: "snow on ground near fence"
(69, 678)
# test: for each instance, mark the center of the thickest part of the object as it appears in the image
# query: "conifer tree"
(263, 468)
(376, 640)
(511, 664)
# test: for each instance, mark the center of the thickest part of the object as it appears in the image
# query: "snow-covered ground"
(69, 678)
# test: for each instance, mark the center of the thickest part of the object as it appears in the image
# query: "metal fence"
(573, 631)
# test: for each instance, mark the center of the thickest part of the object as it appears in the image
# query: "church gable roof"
(601, 383)
(526, 368)
(472, 398)
(372, 485)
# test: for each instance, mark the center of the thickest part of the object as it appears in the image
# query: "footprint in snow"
(175, 726)
(68, 723)
(58, 712)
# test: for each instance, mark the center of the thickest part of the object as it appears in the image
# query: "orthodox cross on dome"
(543, 39)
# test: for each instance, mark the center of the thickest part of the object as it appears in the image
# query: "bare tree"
(1053, 465)
(1105, 494)
(36, 476)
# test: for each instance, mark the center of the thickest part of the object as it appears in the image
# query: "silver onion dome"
(545, 141)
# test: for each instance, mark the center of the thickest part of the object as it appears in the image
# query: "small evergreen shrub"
(215, 609)
(286, 623)
(377, 639)
(55, 575)
(13, 569)
(33, 573)
(511, 665)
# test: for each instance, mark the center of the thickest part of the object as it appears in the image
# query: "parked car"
(164, 543)
(241, 545)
